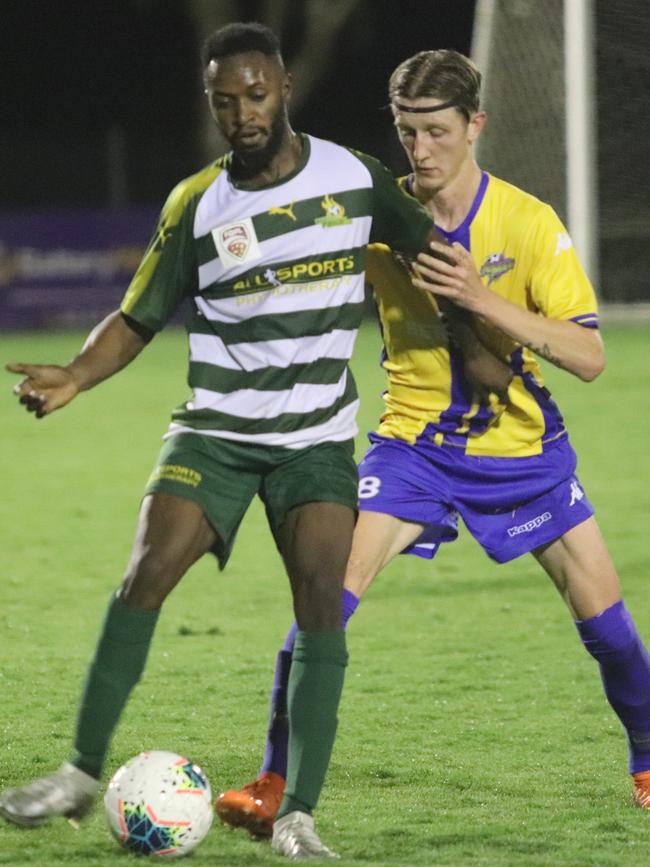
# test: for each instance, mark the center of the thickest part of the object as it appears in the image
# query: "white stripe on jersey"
(295, 246)
(254, 404)
(339, 428)
(288, 298)
(211, 349)
(223, 203)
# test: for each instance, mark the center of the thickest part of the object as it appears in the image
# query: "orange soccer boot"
(642, 789)
(254, 806)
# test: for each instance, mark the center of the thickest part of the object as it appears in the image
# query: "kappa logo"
(285, 210)
(334, 214)
(495, 266)
(564, 242)
(237, 242)
(531, 525)
(577, 493)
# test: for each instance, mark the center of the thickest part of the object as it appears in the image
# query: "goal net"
(520, 46)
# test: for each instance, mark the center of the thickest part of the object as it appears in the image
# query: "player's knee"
(359, 575)
(317, 600)
(148, 581)
(143, 597)
(610, 634)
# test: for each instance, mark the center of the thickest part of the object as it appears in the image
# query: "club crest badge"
(334, 214)
(236, 243)
(495, 266)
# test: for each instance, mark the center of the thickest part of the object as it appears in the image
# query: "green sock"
(119, 660)
(314, 693)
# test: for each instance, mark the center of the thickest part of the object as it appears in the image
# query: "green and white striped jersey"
(275, 281)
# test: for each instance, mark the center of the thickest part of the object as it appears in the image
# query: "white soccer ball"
(159, 803)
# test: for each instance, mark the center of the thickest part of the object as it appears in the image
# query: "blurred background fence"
(104, 113)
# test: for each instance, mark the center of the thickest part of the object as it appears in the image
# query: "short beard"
(251, 163)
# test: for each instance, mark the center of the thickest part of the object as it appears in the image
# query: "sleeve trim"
(147, 334)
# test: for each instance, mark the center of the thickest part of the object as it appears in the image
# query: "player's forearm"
(460, 327)
(561, 342)
(109, 347)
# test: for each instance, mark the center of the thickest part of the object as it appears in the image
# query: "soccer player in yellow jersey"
(507, 468)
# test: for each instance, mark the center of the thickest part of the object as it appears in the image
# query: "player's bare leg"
(579, 565)
(377, 539)
(172, 534)
(581, 568)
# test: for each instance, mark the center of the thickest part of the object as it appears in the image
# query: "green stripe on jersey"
(286, 217)
(298, 250)
(209, 419)
(324, 371)
(303, 323)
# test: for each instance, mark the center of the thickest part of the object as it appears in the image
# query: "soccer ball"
(159, 803)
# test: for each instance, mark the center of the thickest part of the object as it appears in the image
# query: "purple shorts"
(509, 505)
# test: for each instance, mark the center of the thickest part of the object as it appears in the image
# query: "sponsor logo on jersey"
(495, 266)
(285, 210)
(563, 243)
(531, 525)
(296, 272)
(577, 493)
(236, 243)
(271, 277)
(334, 214)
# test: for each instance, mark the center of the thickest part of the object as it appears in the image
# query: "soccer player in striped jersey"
(507, 469)
(267, 248)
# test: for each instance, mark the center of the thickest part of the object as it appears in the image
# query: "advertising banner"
(68, 268)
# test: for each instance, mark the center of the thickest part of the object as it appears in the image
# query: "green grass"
(472, 731)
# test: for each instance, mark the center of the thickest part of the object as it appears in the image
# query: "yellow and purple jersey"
(523, 253)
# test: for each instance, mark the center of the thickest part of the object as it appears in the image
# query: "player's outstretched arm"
(564, 343)
(109, 347)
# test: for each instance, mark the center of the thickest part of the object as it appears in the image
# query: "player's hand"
(487, 376)
(46, 387)
(451, 273)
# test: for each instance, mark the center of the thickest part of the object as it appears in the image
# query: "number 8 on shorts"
(369, 487)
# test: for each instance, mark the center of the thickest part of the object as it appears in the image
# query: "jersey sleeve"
(398, 219)
(168, 271)
(559, 287)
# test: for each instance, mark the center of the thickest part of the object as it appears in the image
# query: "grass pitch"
(473, 730)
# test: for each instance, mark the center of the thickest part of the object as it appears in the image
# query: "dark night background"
(72, 72)
(103, 107)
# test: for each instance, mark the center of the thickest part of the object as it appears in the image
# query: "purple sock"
(611, 638)
(277, 736)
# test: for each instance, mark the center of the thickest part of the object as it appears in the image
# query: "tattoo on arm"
(545, 352)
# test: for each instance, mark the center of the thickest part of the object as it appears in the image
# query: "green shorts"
(223, 476)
